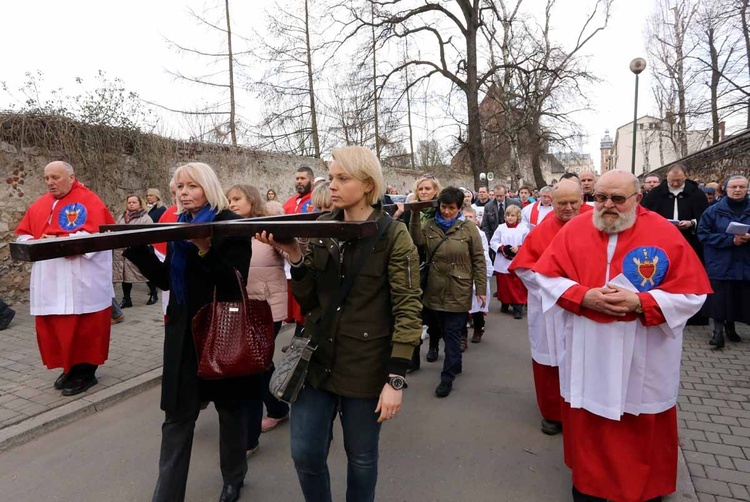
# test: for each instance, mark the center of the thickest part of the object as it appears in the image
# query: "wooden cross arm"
(45, 249)
(389, 208)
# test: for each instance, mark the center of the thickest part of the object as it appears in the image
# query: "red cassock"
(633, 458)
(546, 377)
(76, 332)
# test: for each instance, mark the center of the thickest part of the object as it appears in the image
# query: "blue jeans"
(311, 427)
(451, 324)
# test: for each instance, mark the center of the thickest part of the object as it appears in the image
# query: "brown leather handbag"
(233, 339)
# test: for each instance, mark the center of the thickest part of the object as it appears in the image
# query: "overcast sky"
(76, 38)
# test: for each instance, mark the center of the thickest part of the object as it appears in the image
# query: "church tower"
(606, 149)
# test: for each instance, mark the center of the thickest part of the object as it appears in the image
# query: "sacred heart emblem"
(647, 270)
(645, 267)
(72, 217)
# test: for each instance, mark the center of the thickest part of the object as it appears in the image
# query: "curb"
(30, 429)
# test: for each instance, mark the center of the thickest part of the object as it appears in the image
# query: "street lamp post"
(636, 66)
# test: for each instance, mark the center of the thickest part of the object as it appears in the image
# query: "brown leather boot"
(476, 337)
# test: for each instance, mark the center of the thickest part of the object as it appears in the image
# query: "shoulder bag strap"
(439, 244)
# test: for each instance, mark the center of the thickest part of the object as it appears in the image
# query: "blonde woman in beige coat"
(266, 281)
(123, 270)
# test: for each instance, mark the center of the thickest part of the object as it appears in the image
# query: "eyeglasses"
(428, 176)
(616, 199)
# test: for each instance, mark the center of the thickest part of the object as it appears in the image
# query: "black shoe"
(551, 427)
(732, 335)
(443, 389)
(717, 340)
(126, 303)
(5, 320)
(582, 497)
(517, 312)
(432, 355)
(504, 308)
(79, 385)
(62, 382)
(152, 299)
(231, 493)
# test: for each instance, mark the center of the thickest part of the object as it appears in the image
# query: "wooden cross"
(123, 236)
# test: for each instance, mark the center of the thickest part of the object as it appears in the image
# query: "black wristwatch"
(397, 382)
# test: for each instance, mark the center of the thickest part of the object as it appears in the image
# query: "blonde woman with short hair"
(372, 341)
(192, 271)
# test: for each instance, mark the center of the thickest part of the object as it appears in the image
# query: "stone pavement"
(714, 415)
(714, 402)
(26, 385)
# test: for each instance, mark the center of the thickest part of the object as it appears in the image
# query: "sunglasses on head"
(616, 199)
(428, 176)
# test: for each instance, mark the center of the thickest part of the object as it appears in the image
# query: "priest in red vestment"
(566, 201)
(70, 297)
(628, 284)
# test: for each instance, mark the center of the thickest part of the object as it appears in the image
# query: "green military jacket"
(457, 265)
(379, 322)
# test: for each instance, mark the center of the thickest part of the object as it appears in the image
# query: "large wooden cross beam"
(122, 236)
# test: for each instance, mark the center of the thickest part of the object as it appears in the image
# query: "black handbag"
(290, 374)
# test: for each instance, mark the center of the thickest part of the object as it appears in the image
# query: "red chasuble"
(633, 459)
(80, 210)
(649, 254)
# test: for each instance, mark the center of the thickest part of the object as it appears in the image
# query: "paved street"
(480, 444)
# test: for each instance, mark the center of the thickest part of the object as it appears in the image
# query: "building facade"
(654, 147)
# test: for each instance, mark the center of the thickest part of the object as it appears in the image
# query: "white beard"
(623, 222)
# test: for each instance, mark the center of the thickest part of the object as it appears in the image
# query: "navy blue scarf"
(181, 250)
(444, 224)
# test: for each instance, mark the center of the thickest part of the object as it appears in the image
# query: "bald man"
(627, 284)
(566, 201)
(71, 297)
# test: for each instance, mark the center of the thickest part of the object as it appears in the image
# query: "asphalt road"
(482, 443)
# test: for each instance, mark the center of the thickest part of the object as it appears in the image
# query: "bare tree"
(214, 80)
(670, 49)
(288, 48)
(541, 84)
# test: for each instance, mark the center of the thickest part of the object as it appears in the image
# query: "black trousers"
(177, 443)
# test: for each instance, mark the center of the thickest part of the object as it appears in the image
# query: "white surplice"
(543, 211)
(76, 285)
(614, 368)
(546, 343)
(507, 237)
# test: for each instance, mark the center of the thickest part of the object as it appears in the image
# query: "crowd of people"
(607, 272)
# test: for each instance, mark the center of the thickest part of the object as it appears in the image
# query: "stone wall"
(114, 163)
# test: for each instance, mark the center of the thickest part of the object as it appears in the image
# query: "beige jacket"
(266, 279)
(123, 270)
